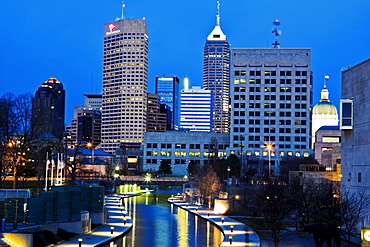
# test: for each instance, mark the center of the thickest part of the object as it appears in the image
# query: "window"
(346, 114)
(359, 177)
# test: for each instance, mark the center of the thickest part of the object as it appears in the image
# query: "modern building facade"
(125, 79)
(179, 148)
(216, 75)
(327, 137)
(156, 120)
(168, 89)
(355, 125)
(196, 109)
(324, 113)
(48, 109)
(270, 105)
(93, 102)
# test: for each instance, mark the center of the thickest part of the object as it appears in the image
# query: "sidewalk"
(117, 225)
(235, 233)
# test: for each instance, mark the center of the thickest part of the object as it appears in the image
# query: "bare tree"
(273, 202)
(353, 207)
(207, 184)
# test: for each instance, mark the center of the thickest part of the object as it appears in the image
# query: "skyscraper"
(125, 79)
(271, 102)
(196, 109)
(216, 74)
(48, 108)
(168, 90)
(156, 120)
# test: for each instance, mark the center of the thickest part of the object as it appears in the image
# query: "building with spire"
(125, 82)
(324, 113)
(216, 75)
(48, 109)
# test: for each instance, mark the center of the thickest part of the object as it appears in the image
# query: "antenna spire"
(218, 14)
(123, 6)
(277, 33)
(326, 78)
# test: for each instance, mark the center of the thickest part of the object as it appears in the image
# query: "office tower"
(156, 120)
(168, 89)
(355, 126)
(86, 122)
(48, 109)
(216, 74)
(125, 77)
(93, 102)
(271, 100)
(196, 109)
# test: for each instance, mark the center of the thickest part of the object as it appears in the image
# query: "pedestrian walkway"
(117, 225)
(235, 233)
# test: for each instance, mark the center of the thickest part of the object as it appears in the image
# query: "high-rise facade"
(48, 109)
(125, 79)
(156, 120)
(168, 90)
(271, 105)
(196, 109)
(216, 75)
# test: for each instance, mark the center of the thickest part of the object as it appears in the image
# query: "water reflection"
(157, 223)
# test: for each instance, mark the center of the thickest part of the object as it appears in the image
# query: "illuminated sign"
(112, 30)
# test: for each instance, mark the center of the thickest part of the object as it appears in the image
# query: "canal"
(156, 223)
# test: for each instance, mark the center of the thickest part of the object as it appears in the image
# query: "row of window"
(270, 138)
(184, 154)
(281, 89)
(272, 130)
(183, 146)
(269, 73)
(270, 105)
(269, 81)
(272, 113)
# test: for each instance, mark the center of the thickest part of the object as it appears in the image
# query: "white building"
(179, 148)
(196, 109)
(324, 113)
(125, 82)
(271, 105)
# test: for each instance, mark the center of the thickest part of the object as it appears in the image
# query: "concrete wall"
(20, 239)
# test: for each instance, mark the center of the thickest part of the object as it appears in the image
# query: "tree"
(193, 167)
(207, 184)
(352, 209)
(15, 132)
(274, 203)
(164, 167)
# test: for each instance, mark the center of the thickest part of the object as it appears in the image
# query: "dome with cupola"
(325, 107)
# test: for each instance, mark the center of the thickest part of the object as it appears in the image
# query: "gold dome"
(324, 106)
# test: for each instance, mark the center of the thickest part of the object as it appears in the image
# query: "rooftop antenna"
(277, 33)
(123, 6)
(218, 14)
(326, 78)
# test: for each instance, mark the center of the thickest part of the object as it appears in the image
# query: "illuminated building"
(179, 148)
(168, 90)
(216, 74)
(324, 113)
(196, 109)
(125, 76)
(48, 109)
(271, 104)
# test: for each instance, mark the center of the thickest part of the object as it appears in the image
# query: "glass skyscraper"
(196, 109)
(216, 75)
(168, 90)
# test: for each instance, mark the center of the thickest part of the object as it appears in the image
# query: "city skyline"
(64, 39)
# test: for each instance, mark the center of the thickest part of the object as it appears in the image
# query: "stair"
(3, 243)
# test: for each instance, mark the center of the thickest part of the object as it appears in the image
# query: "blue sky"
(40, 39)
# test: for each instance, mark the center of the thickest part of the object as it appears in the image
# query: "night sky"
(64, 38)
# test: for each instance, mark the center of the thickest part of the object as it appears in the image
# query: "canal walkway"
(117, 225)
(235, 233)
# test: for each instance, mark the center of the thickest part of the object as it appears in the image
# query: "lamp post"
(269, 147)
(90, 145)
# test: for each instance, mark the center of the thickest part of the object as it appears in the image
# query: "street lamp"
(269, 147)
(90, 145)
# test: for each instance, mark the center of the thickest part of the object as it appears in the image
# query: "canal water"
(156, 223)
